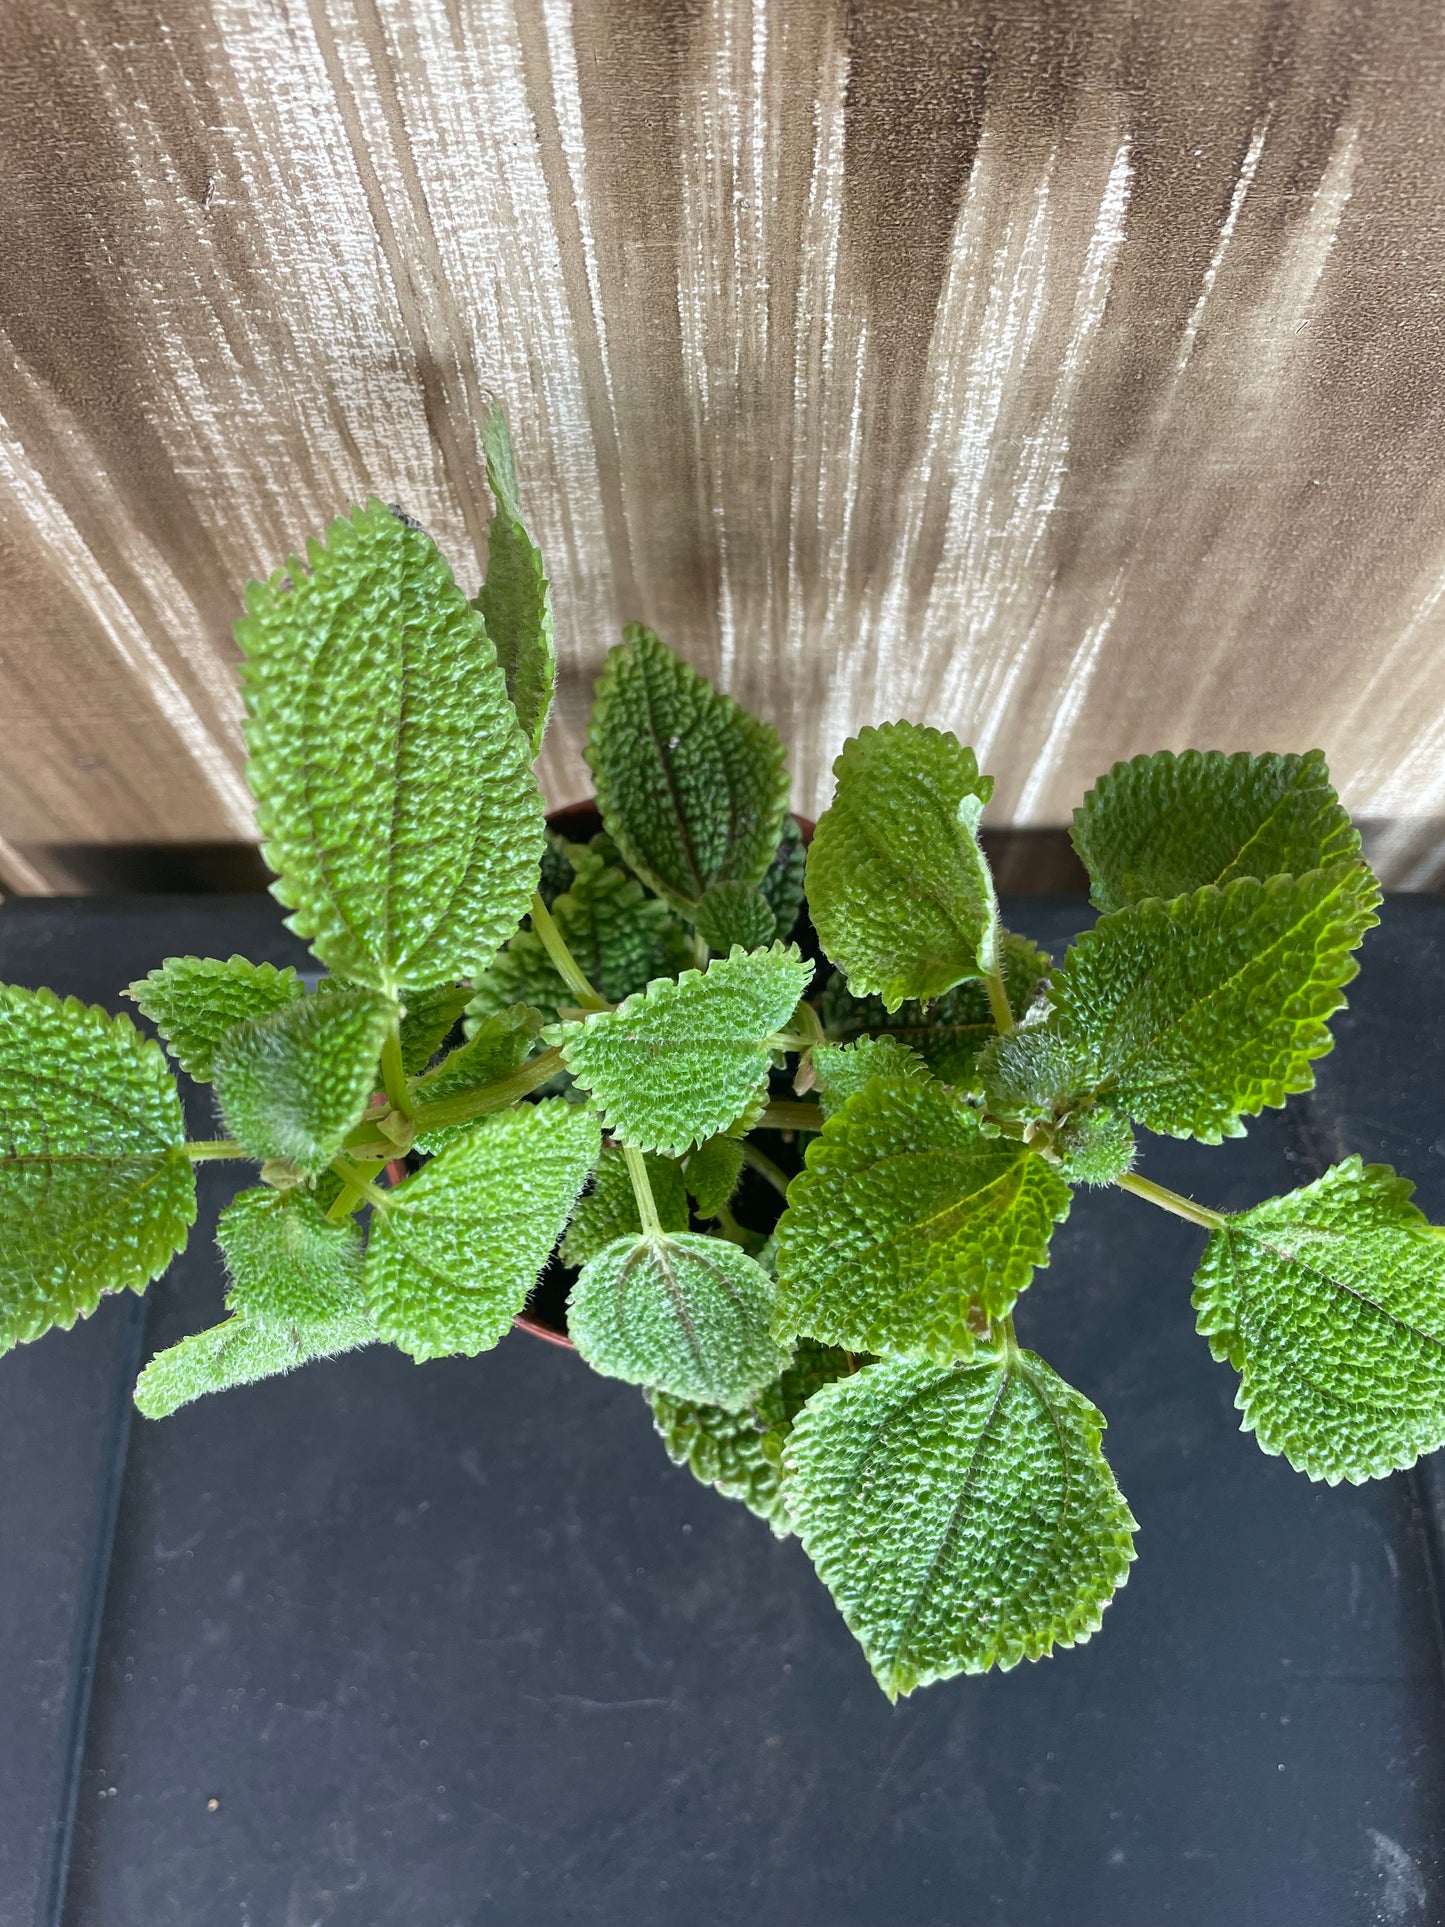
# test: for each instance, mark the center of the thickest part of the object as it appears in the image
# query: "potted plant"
(649, 1010)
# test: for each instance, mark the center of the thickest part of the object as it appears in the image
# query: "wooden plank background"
(1064, 371)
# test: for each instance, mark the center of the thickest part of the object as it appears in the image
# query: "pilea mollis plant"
(522, 1042)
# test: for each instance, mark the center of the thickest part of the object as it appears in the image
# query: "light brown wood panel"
(1068, 372)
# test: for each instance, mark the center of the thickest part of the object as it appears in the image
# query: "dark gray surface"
(454, 1646)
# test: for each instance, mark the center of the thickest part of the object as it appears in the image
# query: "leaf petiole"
(784, 1115)
(760, 1162)
(642, 1191)
(998, 1003)
(1168, 1200)
(220, 1147)
(567, 966)
(359, 1187)
(393, 1073)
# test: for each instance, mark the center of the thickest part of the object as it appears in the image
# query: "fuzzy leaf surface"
(516, 601)
(426, 1022)
(451, 1260)
(735, 915)
(393, 785)
(293, 1084)
(1165, 825)
(194, 1001)
(96, 1191)
(950, 1033)
(239, 1351)
(1330, 1304)
(684, 1314)
(713, 1171)
(740, 1454)
(684, 1060)
(843, 1069)
(609, 1210)
(498, 1046)
(692, 788)
(287, 1265)
(909, 1227)
(962, 1517)
(1192, 1014)
(898, 888)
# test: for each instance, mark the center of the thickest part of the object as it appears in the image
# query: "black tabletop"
(381, 1645)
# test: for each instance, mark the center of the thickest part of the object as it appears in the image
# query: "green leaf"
(685, 1060)
(685, 1314)
(1191, 1014)
(713, 1171)
(194, 1001)
(735, 915)
(288, 1266)
(910, 1227)
(1096, 1147)
(498, 1046)
(427, 1022)
(609, 1210)
(96, 1191)
(843, 1069)
(962, 1517)
(452, 1258)
(515, 601)
(620, 937)
(898, 888)
(393, 785)
(240, 1351)
(740, 1454)
(293, 1084)
(949, 1033)
(692, 788)
(556, 868)
(1165, 825)
(782, 881)
(1330, 1304)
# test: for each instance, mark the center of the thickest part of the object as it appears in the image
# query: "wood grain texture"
(1065, 371)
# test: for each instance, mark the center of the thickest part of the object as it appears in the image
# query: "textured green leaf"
(194, 1001)
(515, 601)
(713, 1171)
(609, 1210)
(1096, 1147)
(740, 1454)
(498, 1046)
(909, 1227)
(685, 1060)
(621, 938)
(691, 787)
(962, 1517)
(293, 1084)
(843, 1069)
(735, 915)
(96, 1191)
(949, 1033)
(1165, 825)
(1192, 1014)
(684, 1314)
(427, 1022)
(782, 881)
(393, 785)
(239, 1351)
(1330, 1304)
(898, 888)
(556, 868)
(287, 1265)
(451, 1260)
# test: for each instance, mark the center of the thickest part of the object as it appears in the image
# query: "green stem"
(788, 1116)
(760, 1162)
(496, 1096)
(220, 1147)
(998, 1003)
(1167, 1200)
(358, 1187)
(393, 1073)
(642, 1191)
(568, 968)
